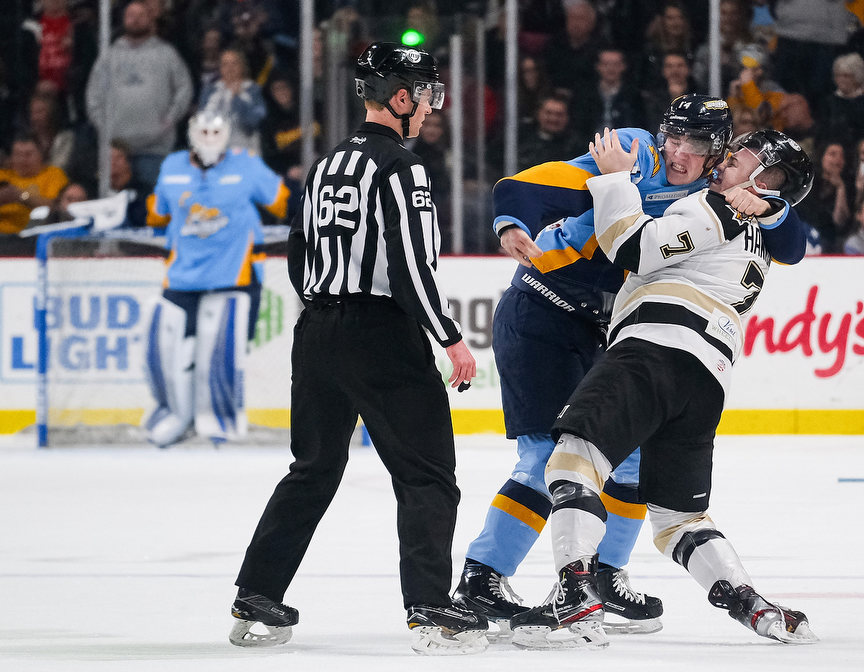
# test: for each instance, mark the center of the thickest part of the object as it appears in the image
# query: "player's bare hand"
(519, 245)
(746, 202)
(608, 153)
(464, 365)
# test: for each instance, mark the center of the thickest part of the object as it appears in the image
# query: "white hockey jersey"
(693, 271)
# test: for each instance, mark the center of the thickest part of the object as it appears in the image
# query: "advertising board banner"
(802, 368)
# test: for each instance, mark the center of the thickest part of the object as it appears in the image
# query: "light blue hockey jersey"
(573, 272)
(214, 224)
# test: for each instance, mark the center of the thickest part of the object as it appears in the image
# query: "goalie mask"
(208, 137)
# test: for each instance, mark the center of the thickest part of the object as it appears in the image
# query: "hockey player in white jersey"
(674, 334)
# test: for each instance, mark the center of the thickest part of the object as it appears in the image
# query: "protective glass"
(431, 92)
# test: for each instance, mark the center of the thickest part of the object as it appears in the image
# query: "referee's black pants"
(371, 359)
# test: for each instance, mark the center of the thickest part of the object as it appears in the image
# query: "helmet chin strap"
(751, 184)
(406, 118)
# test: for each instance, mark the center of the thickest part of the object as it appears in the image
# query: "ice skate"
(446, 631)
(571, 617)
(626, 611)
(484, 591)
(764, 618)
(262, 613)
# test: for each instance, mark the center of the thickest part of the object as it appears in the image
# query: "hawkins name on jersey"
(693, 271)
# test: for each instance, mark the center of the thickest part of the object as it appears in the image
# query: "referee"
(362, 255)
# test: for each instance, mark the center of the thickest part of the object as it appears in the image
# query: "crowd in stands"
(794, 65)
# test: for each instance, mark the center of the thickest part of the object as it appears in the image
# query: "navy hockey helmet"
(775, 149)
(705, 120)
(385, 67)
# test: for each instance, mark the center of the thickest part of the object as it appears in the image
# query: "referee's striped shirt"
(368, 226)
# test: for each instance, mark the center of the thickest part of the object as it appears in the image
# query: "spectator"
(621, 23)
(236, 97)
(676, 81)
(570, 55)
(423, 17)
(56, 40)
(809, 34)
(798, 122)
(762, 26)
(859, 171)
(139, 90)
(85, 50)
(431, 146)
(549, 136)
(844, 111)
(754, 90)
(281, 134)
(27, 183)
(123, 178)
(854, 244)
(669, 31)
(44, 123)
(826, 209)
(533, 84)
(611, 103)
(247, 22)
(206, 67)
(735, 17)
(538, 20)
(73, 192)
(745, 120)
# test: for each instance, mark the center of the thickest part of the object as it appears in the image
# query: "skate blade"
(802, 635)
(241, 634)
(431, 641)
(580, 635)
(633, 627)
(499, 631)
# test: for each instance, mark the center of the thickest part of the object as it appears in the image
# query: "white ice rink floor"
(124, 559)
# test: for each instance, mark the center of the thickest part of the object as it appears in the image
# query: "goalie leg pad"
(170, 356)
(220, 357)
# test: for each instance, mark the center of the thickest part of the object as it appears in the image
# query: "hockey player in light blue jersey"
(207, 196)
(550, 326)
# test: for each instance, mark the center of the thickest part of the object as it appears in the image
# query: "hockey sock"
(623, 523)
(515, 519)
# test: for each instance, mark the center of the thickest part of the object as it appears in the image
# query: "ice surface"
(124, 559)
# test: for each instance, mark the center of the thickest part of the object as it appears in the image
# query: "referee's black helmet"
(385, 67)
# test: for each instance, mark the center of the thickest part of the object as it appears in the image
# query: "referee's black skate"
(571, 617)
(256, 611)
(764, 618)
(447, 630)
(484, 591)
(626, 611)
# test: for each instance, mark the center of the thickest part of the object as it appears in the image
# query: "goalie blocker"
(195, 371)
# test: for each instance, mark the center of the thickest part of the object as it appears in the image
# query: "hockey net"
(99, 294)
